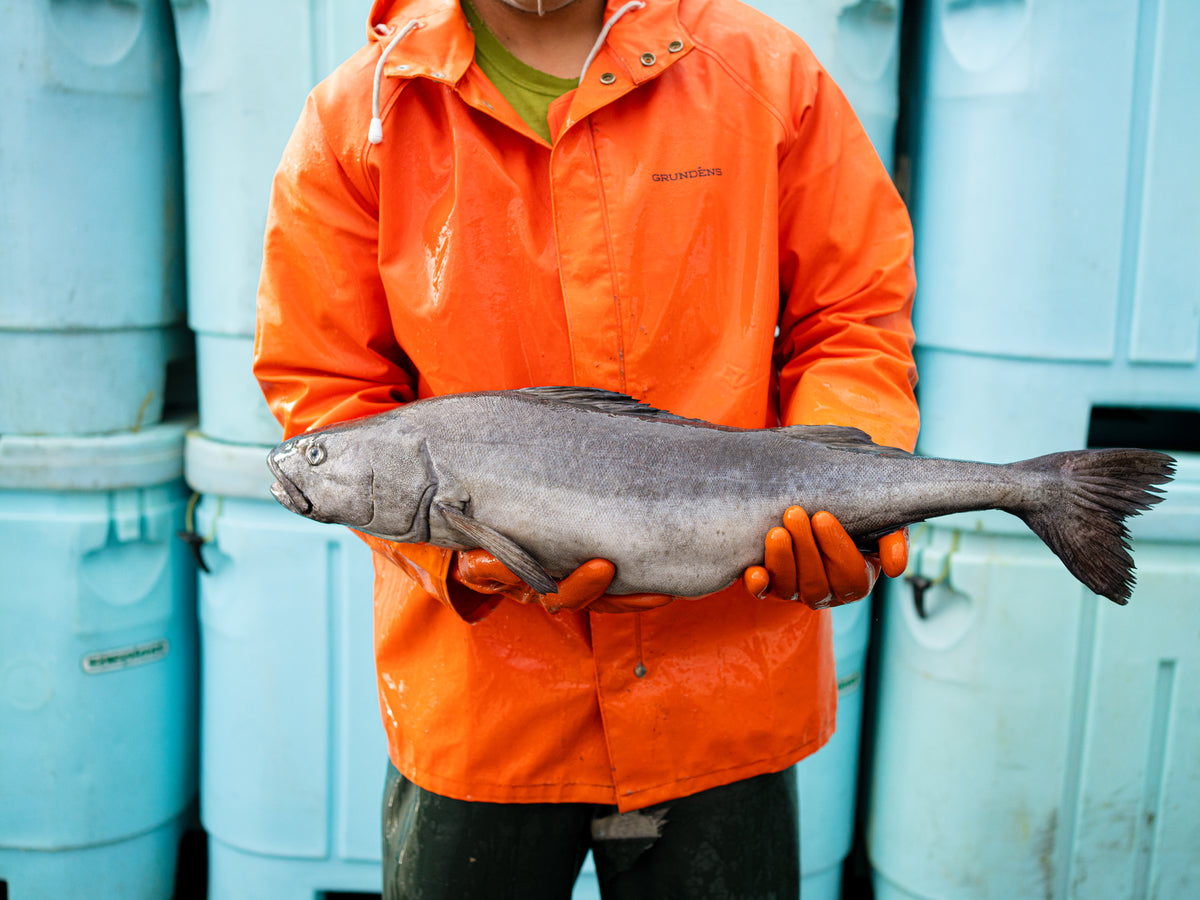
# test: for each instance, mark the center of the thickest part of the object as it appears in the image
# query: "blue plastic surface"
(227, 470)
(1055, 199)
(232, 407)
(1000, 410)
(828, 780)
(94, 462)
(141, 867)
(293, 749)
(1033, 739)
(241, 97)
(234, 873)
(91, 266)
(98, 685)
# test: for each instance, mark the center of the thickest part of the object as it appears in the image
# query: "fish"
(546, 478)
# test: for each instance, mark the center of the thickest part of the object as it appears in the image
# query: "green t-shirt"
(528, 90)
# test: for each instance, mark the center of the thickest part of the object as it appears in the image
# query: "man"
(697, 220)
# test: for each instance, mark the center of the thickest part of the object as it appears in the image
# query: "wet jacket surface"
(717, 186)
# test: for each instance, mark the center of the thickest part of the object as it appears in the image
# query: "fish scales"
(548, 478)
(590, 488)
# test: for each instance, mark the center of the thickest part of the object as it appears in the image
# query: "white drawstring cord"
(632, 4)
(375, 134)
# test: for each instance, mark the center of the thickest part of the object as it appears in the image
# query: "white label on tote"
(125, 657)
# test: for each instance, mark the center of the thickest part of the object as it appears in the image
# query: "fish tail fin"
(1081, 515)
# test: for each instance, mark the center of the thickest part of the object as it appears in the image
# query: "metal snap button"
(648, 59)
(675, 46)
(608, 78)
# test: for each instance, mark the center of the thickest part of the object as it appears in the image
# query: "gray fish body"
(549, 478)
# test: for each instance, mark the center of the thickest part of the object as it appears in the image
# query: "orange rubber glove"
(817, 563)
(479, 571)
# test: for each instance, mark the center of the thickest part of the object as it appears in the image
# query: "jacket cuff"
(429, 566)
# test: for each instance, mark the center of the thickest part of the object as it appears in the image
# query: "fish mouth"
(286, 491)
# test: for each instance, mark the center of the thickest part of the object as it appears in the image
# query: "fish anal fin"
(869, 542)
(515, 558)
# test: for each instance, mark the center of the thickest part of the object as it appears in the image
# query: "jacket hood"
(431, 39)
(645, 35)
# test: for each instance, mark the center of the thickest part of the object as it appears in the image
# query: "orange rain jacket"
(706, 183)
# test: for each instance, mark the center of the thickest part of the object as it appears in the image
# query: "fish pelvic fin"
(1084, 522)
(515, 557)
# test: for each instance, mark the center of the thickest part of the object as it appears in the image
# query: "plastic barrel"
(1055, 198)
(98, 668)
(293, 751)
(828, 780)
(91, 269)
(1035, 740)
(241, 96)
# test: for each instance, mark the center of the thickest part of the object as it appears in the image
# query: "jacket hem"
(605, 794)
(685, 787)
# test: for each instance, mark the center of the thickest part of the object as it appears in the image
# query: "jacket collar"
(640, 46)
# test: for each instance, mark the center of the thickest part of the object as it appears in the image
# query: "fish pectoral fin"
(513, 555)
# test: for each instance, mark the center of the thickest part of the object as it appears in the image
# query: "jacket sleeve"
(324, 348)
(844, 351)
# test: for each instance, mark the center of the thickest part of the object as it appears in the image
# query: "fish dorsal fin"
(836, 437)
(840, 437)
(610, 402)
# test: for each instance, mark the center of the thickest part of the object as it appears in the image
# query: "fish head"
(325, 476)
(372, 474)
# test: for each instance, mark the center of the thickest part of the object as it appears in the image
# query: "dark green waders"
(740, 841)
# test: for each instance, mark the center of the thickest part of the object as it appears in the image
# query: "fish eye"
(315, 454)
